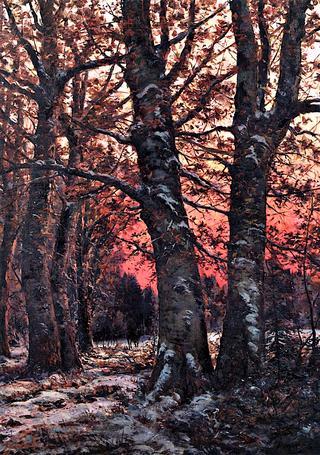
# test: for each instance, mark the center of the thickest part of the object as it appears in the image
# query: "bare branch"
(215, 153)
(198, 69)
(70, 73)
(39, 27)
(201, 248)
(107, 179)
(197, 205)
(200, 181)
(180, 64)
(313, 259)
(217, 129)
(118, 137)
(137, 246)
(181, 36)
(306, 107)
(204, 98)
(33, 54)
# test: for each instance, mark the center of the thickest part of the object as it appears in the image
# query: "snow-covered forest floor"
(102, 410)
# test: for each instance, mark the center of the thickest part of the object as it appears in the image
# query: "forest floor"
(102, 410)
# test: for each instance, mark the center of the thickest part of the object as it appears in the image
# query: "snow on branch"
(307, 106)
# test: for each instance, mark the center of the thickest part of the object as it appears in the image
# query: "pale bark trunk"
(241, 346)
(183, 358)
(257, 136)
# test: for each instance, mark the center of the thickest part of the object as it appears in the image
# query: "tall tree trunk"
(65, 247)
(65, 241)
(242, 340)
(38, 235)
(84, 305)
(258, 133)
(183, 356)
(9, 234)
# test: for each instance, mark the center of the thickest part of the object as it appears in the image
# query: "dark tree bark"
(9, 235)
(257, 133)
(84, 305)
(65, 246)
(38, 237)
(65, 242)
(38, 231)
(183, 357)
(46, 320)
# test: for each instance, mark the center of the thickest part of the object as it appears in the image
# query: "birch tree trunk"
(183, 356)
(243, 332)
(258, 133)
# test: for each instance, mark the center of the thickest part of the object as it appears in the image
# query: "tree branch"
(181, 36)
(197, 70)
(218, 129)
(201, 248)
(65, 76)
(118, 137)
(204, 98)
(200, 181)
(39, 27)
(290, 59)
(6, 117)
(164, 43)
(306, 107)
(246, 92)
(33, 54)
(180, 64)
(107, 179)
(263, 64)
(197, 205)
(16, 88)
(137, 246)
